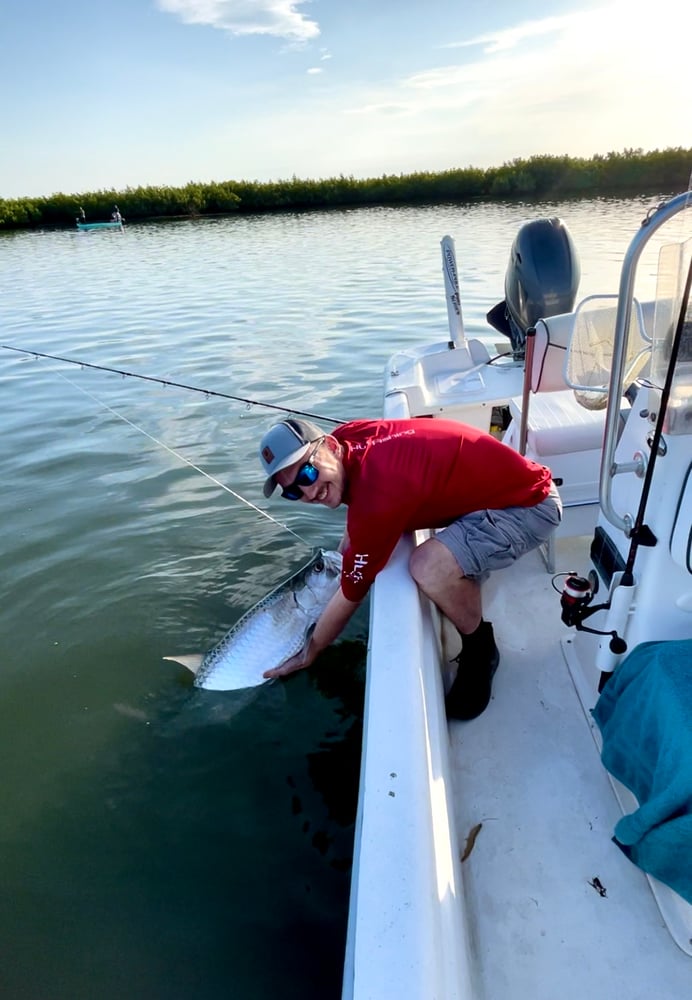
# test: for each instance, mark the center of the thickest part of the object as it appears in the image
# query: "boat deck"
(529, 771)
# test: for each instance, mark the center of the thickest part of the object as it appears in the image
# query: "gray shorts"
(491, 539)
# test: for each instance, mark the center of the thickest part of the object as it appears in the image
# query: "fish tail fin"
(193, 662)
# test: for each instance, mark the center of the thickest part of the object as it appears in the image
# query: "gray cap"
(283, 444)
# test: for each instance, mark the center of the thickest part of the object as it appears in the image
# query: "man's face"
(328, 488)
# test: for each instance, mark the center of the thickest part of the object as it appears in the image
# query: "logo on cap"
(267, 454)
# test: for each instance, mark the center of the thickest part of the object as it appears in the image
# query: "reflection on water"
(157, 840)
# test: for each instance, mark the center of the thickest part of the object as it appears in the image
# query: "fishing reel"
(575, 603)
(575, 598)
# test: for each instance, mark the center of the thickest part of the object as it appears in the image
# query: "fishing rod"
(169, 382)
(641, 533)
(182, 458)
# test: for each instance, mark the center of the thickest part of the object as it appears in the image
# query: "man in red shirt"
(489, 504)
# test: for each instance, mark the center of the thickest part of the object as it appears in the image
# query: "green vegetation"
(537, 177)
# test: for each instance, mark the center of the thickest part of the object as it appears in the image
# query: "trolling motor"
(575, 602)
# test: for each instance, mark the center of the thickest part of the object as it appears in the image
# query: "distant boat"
(115, 221)
(86, 226)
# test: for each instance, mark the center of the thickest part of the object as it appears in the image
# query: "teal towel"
(645, 716)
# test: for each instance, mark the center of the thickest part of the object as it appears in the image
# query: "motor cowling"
(542, 280)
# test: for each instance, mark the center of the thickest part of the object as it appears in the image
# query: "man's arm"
(329, 625)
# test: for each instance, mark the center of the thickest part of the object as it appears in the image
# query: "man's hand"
(328, 627)
(300, 661)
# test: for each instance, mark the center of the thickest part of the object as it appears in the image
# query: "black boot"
(470, 693)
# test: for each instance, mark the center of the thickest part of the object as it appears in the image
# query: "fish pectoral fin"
(193, 662)
(308, 633)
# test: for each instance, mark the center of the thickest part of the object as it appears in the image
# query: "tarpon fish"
(276, 628)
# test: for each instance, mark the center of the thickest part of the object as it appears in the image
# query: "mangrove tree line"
(543, 177)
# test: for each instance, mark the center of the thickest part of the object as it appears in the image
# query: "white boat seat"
(557, 424)
(568, 439)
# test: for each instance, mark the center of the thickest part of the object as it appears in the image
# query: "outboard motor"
(541, 280)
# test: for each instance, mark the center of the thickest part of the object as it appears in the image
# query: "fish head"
(321, 579)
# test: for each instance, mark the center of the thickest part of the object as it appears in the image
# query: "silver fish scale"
(274, 629)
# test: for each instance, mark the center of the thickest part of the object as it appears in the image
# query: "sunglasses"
(307, 475)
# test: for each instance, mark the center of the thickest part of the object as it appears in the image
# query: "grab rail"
(609, 467)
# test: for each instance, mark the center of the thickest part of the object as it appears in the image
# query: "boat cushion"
(645, 717)
(550, 347)
(558, 425)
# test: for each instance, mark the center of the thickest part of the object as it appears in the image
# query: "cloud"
(509, 38)
(246, 17)
(314, 70)
(595, 61)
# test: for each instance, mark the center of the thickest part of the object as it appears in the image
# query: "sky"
(105, 94)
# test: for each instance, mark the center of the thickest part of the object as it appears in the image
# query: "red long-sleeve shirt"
(422, 473)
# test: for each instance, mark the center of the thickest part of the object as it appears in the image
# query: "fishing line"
(172, 451)
(177, 385)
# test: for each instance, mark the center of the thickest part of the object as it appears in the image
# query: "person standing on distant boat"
(489, 503)
(82, 215)
(116, 216)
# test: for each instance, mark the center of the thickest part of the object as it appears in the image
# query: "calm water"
(157, 840)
